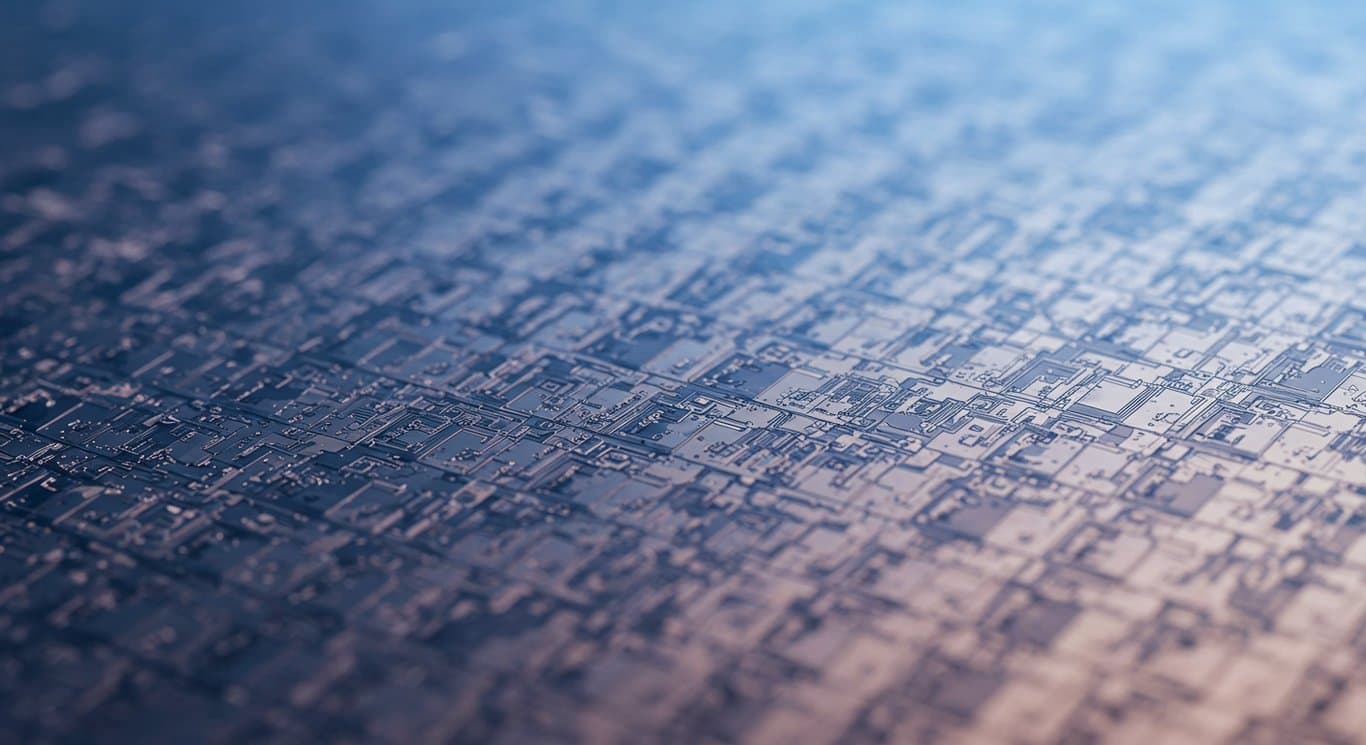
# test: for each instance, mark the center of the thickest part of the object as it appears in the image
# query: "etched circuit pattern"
(850, 373)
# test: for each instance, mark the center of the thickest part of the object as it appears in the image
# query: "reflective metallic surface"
(622, 373)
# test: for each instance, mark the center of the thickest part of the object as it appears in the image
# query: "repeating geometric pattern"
(867, 373)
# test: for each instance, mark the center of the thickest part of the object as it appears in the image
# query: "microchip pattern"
(776, 372)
